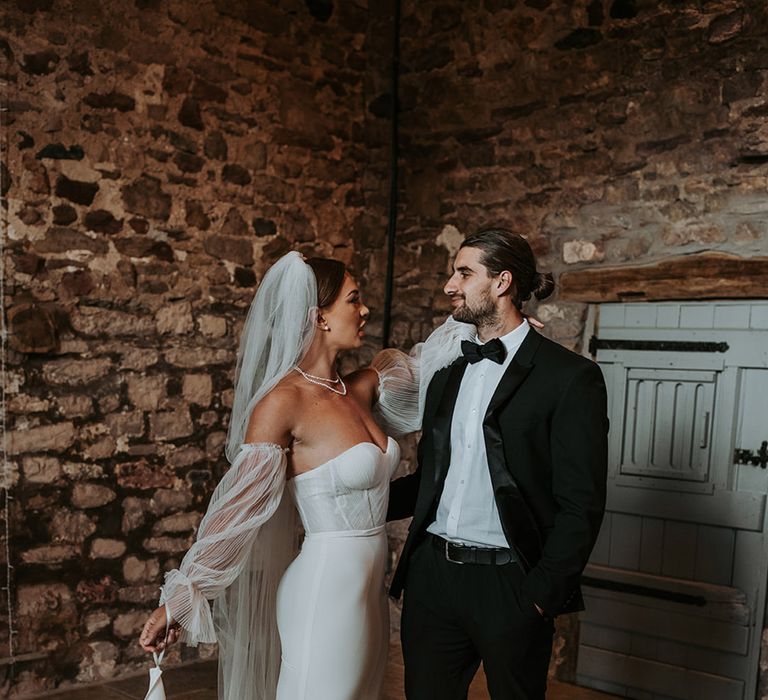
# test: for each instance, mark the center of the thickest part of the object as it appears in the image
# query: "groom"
(509, 491)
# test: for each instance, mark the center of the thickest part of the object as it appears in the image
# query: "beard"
(480, 313)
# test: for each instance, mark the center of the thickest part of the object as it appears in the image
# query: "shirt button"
(462, 481)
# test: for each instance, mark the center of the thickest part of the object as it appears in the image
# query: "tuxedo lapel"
(518, 370)
(516, 519)
(513, 377)
(441, 425)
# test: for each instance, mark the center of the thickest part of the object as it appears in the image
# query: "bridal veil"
(249, 533)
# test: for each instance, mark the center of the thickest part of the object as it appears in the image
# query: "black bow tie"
(492, 350)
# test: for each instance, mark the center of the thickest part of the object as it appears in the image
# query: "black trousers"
(457, 615)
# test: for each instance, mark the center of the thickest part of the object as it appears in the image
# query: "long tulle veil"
(277, 332)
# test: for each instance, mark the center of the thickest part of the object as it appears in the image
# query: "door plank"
(644, 647)
(750, 550)
(610, 688)
(714, 554)
(759, 317)
(603, 637)
(721, 602)
(641, 315)
(679, 557)
(612, 316)
(651, 545)
(625, 541)
(668, 315)
(732, 316)
(697, 316)
(601, 550)
(670, 652)
(724, 611)
(741, 510)
(657, 677)
(656, 622)
(712, 593)
(698, 659)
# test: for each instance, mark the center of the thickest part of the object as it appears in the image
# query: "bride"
(302, 442)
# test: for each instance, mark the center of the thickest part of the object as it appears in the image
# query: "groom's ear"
(504, 283)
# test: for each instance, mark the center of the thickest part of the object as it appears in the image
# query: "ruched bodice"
(349, 492)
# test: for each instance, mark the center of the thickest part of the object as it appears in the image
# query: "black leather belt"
(467, 554)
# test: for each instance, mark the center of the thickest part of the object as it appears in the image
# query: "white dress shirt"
(467, 510)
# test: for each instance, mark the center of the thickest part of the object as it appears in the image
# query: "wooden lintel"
(696, 276)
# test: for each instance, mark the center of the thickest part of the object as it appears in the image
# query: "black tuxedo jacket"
(546, 440)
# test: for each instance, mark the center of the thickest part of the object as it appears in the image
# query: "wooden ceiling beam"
(696, 276)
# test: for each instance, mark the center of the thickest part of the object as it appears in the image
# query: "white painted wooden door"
(676, 585)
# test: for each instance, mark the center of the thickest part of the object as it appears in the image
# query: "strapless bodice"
(349, 492)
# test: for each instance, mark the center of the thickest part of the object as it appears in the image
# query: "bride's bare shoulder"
(273, 417)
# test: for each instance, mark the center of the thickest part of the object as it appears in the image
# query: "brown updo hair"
(329, 274)
(505, 250)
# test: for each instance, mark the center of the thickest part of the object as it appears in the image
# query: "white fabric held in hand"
(156, 690)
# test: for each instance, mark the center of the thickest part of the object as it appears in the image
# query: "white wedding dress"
(332, 612)
(311, 624)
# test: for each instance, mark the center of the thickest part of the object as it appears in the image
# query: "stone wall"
(160, 155)
(606, 131)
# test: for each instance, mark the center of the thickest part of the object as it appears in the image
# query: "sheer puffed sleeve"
(245, 499)
(404, 378)
(397, 407)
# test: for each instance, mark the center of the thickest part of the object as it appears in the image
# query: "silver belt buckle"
(448, 556)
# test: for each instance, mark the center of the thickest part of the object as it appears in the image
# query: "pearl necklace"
(307, 375)
(312, 379)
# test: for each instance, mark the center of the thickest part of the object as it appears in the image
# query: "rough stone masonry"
(160, 154)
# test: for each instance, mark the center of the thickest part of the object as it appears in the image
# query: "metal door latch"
(749, 457)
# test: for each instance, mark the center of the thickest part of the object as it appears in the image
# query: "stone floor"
(198, 682)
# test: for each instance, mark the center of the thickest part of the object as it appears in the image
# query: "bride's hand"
(153, 635)
(533, 321)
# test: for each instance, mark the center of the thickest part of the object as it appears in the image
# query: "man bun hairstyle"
(544, 285)
(501, 250)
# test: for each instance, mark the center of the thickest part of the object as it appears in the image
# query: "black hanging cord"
(394, 155)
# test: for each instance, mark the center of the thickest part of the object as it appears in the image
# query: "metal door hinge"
(596, 344)
(741, 456)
